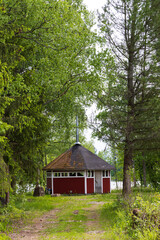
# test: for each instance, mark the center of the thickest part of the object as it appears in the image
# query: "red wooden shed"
(78, 171)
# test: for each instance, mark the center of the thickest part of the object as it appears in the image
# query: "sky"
(93, 5)
(99, 145)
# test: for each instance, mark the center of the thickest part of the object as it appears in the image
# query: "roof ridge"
(83, 156)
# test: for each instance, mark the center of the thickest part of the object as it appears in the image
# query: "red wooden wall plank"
(68, 185)
(90, 185)
(106, 185)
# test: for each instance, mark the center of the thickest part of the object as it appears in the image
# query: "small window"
(105, 173)
(64, 174)
(90, 173)
(72, 174)
(56, 174)
(80, 174)
(49, 174)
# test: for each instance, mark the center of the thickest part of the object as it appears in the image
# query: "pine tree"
(130, 101)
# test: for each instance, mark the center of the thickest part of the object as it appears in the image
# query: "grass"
(36, 204)
(108, 215)
(99, 216)
(73, 226)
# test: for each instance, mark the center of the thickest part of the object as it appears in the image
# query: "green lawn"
(98, 216)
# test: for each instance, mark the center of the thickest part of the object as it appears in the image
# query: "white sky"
(99, 145)
(94, 5)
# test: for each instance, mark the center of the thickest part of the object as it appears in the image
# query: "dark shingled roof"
(78, 158)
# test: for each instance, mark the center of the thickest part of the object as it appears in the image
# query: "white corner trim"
(52, 184)
(85, 180)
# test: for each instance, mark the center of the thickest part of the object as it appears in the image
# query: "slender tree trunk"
(115, 164)
(144, 73)
(140, 175)
(38, 176)
(134, 175)
(116, 181)
(13, 183)
(144, 173)
(116, 178)
(44, 164)
(7, 198)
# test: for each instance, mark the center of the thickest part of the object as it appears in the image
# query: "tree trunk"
(44, 164)
(127, 171)
(144, 173)
(7, 198)
(13, 183)
(130, 110)
(134, 175)
(115, 164)
(38, 176)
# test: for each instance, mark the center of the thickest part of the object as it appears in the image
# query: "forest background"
(53, 65)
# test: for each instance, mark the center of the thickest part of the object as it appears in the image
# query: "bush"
(139, 218)
(10, 213)
(4, 237)
(146, 219)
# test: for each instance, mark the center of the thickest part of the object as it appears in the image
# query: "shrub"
(146, 218)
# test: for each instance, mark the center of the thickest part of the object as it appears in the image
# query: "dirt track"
(36, 231)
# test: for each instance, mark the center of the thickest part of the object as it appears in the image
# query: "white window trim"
(101, 181)
(85, 182)
(89, 178)
(90, 173)
(52, 184)
(108, 174)
(67, 175)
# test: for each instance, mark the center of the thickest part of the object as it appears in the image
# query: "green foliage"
(4, 237)
(129, 99)
(46, 49)
(4, 178)
(145, 223)
(21, 207)
(10, 214)
(114, 215)
(120, 222)
(89, 145)
(152, 160)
